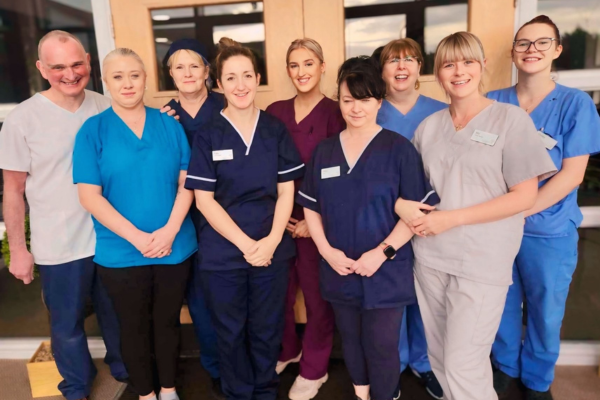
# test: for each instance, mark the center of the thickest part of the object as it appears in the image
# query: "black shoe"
(431, 383)
(397, 391)
(502, 383)
(216, 390)
(535, 395)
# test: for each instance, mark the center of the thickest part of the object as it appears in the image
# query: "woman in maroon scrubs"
(310, 117)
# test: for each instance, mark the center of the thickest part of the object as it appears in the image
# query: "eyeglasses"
(541, 44)
(407, 60)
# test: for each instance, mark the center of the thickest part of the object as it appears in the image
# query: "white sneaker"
(306, 389)
(281, 365)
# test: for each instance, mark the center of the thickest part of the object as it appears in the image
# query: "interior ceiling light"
(161, 17)
(161, 40)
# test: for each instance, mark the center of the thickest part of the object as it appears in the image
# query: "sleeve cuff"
(291, 174)
(200, 183)
(307, 201)
(431, 198)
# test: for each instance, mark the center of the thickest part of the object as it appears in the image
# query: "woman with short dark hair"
(348, 196)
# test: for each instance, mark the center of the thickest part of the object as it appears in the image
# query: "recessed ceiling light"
(161, 17)
(161, 40)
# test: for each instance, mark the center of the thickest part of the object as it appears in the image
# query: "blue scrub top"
(357, 210)
(390, 118)
(139, 178)
(213, 104)
(570, 117)
(245, 185)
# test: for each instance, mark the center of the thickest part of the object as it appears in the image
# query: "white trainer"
(306, 389)
(281, 365)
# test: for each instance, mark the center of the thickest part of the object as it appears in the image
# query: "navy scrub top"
(357, 210)
(213, 104)
(244, 183)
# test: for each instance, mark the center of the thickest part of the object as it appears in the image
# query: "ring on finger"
(424, 233)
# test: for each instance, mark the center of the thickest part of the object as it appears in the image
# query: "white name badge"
(222, 155)
(484, 137)
(332, 172)
(549, 143)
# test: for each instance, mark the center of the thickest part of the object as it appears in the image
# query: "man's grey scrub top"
(497, 150)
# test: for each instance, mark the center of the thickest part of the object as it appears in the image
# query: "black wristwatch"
(388, 250)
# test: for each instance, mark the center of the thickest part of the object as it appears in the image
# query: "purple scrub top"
(323, 121)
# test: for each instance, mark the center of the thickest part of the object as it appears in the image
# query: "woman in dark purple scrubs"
(310, 117)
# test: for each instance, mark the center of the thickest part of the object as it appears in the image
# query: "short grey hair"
(62, 37)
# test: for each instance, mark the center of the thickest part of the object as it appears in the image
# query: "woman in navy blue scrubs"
(186, 60)
(348, 195)
(568, 125)
(243, 167)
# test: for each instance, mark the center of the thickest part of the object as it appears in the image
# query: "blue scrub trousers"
(413, 345)
(207, 339)
(247, 311)
(66, 288)
(541, 276)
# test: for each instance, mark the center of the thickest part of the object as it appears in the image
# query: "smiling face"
(189, 72)
(358, 113)
(125, 79)
(533, 61)
(401, 73)
(239, 82)
(460, 79)
(65, 65)
(305, 69)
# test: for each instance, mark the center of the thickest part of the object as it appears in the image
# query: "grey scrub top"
(466, 172)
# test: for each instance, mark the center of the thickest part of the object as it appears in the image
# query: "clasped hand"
(260, 253)
(366, 265)
(156, 244)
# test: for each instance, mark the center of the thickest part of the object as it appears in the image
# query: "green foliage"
(6, 250)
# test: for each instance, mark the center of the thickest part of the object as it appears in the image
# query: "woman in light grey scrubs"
(484, 158)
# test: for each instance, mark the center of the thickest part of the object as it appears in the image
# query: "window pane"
(242, 22)
(373, 23)
(589, 191)
(579, 25)
(21, 28)
(364, 35)
(440, 22)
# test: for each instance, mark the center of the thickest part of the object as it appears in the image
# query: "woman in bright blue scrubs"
(243, 168)
(402, 110)
(569, 127)
(348, 195)
(196, 105)
(130, 165)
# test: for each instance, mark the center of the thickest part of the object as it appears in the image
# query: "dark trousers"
(205, 333)
(66, 289)
(148, 302)
(246, 307)
(317, 341)
(370, 346)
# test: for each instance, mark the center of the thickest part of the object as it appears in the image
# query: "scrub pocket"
(393, 285)
(336, 288)
(490, 314)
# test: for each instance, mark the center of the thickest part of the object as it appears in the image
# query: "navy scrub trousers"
(66, 288)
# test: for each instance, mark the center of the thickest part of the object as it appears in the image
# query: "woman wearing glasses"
(568, 125)
(402, 110)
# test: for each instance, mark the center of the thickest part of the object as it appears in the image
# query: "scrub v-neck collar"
(298, 123)
(144, 131)
(351, 166)
(409, 111)
(515, 98)
(206, 102)
(240, 133)
(483, 111)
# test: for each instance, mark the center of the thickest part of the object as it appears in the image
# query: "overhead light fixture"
(161, 17)
(161, 40)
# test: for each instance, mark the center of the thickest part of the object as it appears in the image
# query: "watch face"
(389, 252)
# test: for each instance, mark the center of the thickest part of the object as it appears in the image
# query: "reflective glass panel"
(364, 35)
(579, 24)
(440, 22)
(242, 22)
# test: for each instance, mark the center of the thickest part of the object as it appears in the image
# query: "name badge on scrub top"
(332, 172)
(549, 143)
(222, 155)
(484, 137)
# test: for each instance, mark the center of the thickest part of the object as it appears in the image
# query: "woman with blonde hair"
(402, 110)
(196, 105)
(484, 159)
(310, 117)
(242, 170)
(129, 165)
